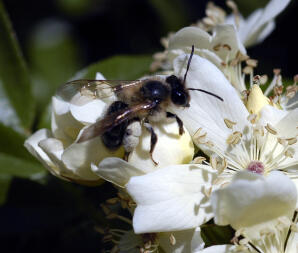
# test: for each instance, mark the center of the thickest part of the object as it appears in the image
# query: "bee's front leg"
(153, 140)
(179, 122)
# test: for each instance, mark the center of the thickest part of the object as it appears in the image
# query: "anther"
(252, 63)
(199, 160)
(172, 240)
(252, 118)
(229, 123)
(234, 138)
(270, 129)
(263, 79)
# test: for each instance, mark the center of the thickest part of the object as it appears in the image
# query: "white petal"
(247, 27)
(32, 146)
(271, 115)
(188, 36)
(270, 26)
(257, 22)
(226, 34)
(116, 170)
(171, 198)
(54, 149)
(220, 249)
(64, 126)
(206, 111)
(99, 76)
(79, 156)
(251, 199)
(171, 148)
(287, 126)
(89, 112)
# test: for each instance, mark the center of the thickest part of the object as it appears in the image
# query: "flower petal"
(251, 199)
(227, 35)
(54, 149)
(206, 111)
(32, 146)
(220, 249)
(64, 126)
(89, 112)
(171, 198)
(253, 29)
(79, 156)
(171, 148)
(116, 171)
(188, 36)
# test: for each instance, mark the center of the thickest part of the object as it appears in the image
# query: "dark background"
(59, 37)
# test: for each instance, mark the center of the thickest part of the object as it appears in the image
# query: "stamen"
(229, 123)
(271, 129)
(199, 160)
(172, 240)
(234, 138)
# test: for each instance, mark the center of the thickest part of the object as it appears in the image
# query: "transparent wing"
(112, 120)
(95, 88)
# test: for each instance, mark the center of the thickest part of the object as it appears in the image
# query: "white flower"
(223, 48)
(227, 128)
(259, 24)
(57, 148)
(259, 211)
(72, 113)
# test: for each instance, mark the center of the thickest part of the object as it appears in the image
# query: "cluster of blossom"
(248, 178)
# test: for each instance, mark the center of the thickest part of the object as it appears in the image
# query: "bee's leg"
(153, 140)
(126, 155)
(179, 122)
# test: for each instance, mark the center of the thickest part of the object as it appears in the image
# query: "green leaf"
(12, 142)
(122, 67)
(13, 166)
(4, 187)
(213, 234)
(53, 57)
(14, 78)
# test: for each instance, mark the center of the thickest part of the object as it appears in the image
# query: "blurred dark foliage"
(58, 216)
(109, 27)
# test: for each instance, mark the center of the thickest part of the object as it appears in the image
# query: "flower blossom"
(261, 213)
(174, 197)
(73, 111)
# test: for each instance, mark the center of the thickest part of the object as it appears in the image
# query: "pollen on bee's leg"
(256, 167)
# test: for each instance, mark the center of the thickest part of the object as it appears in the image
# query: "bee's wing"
(110, 121)
(95, 88)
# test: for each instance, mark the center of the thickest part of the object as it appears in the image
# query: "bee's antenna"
(207, 92)
(188, 63)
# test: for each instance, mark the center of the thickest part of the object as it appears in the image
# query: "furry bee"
(138, 103)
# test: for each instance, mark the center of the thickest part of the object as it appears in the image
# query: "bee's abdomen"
(112, 139)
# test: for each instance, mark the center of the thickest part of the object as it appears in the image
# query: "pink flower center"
(256, 167)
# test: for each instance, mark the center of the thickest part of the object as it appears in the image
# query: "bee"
(138, 103)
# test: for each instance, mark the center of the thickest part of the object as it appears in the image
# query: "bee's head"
(179, 95)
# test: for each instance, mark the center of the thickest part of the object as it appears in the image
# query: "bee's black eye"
(179, 97)
(174, 81)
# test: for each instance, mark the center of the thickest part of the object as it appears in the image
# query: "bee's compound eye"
(180, 98)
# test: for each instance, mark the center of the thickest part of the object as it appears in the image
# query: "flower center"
(256, 167)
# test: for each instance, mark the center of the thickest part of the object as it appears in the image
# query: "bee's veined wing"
(94, 88)
(110, 121)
